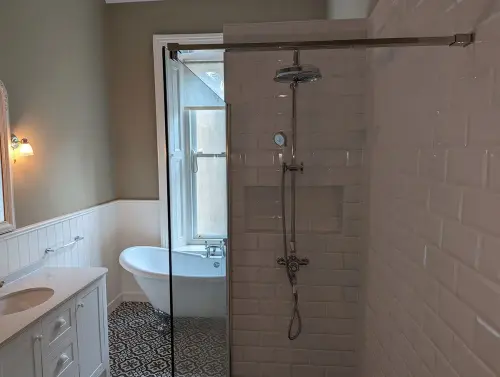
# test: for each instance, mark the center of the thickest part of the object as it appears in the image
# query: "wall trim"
(54, 220)
(160, 41)
(134, 297)
(69, 216)
(113, 304)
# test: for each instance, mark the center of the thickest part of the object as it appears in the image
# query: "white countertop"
(65, 282)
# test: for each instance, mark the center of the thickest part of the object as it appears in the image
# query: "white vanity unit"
(64, 336)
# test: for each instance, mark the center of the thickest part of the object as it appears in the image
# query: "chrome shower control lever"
(294, 167)
(293, 263)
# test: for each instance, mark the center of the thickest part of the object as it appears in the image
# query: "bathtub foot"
(164, 327)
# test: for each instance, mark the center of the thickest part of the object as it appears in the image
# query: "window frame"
(160, 42)
(190, 176)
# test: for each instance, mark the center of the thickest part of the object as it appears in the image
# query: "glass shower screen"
(198, 213)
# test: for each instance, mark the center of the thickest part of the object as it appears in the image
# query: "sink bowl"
(20, 301)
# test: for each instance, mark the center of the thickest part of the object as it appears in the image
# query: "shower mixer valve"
(294, 262)
(294, 167)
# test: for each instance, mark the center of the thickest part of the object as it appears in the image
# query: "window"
(197, 150)
(211, 73)
(192, 167)
(208, 197)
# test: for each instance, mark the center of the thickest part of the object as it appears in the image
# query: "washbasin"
(20, 301)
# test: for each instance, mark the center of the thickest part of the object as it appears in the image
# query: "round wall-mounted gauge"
(280, 139)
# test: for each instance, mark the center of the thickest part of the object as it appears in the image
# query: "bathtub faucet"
(215, 251)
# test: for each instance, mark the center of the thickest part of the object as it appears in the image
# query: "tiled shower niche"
(322, 215)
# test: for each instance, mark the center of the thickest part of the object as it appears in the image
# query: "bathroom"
(203, 210)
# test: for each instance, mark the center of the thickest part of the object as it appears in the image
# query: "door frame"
(159, 42)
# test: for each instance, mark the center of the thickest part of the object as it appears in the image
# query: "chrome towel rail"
(53, 250)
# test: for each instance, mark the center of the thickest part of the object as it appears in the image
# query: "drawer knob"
(63, 359)
(81, 305)
(60, 322)
(39, 337)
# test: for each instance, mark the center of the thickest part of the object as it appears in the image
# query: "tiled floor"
(138, 349)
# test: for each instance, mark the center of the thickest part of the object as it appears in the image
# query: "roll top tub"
(199, 284)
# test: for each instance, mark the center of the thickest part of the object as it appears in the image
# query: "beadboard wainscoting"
(138, 225)
(106, 230)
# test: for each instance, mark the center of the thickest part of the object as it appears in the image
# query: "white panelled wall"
(433, 274)
(106, 229)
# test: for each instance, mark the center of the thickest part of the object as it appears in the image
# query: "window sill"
(191, 248)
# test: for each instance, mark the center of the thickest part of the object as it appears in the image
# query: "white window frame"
(191, 178)
(159, 42)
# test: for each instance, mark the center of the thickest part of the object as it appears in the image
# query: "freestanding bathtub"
(199, 284)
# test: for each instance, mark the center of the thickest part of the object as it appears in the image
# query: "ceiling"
(346, 8)
(127, 1)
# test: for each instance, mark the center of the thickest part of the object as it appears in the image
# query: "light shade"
(25, 148)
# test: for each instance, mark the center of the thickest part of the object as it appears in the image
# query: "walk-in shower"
(292, 75)
(282, 221)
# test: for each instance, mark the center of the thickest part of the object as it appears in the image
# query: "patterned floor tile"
(137, 347)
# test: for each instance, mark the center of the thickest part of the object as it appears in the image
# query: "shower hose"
(295, 316)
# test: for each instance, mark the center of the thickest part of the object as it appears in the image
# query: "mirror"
(7, 222)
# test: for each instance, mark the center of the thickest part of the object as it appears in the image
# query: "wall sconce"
(21, 148)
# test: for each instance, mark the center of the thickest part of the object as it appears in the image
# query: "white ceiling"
(336, 8)
(127, 1)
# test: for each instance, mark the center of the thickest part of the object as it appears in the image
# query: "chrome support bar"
(459, 40)
(53, 250)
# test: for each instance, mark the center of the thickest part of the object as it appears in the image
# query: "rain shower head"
(297, 73)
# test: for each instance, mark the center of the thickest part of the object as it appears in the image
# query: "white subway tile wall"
(330, 138)
(433, 286)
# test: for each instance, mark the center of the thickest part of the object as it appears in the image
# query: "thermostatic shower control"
(294, 263)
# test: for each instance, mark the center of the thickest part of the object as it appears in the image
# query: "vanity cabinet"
(91, 326)
(69, 341)
(23, 355)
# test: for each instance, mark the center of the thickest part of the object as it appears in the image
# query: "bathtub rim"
(158, 275)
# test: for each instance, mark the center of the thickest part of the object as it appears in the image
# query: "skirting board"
(126, 296)
(113, 304)
(134, 297)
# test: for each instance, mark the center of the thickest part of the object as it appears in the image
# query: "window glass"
(211, 73)
(211, 211)
(208, 147)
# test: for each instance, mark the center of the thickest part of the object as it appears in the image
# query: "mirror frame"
(7, 182)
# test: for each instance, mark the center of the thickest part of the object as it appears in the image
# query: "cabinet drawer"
(59, 325)
(63, 362)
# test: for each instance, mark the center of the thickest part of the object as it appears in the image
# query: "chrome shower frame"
(456, 40)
